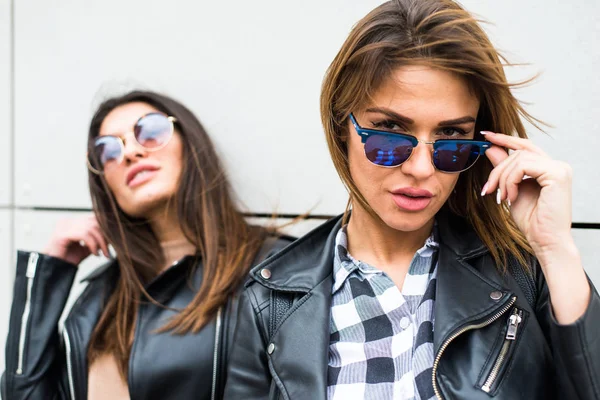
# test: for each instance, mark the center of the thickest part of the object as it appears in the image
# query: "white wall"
(5, 105)
(252, 73)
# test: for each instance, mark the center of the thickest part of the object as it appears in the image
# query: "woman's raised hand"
(540, 206)
(539, 191)
(75, 239)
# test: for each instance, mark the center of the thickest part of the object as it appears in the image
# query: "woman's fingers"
(103, 243)
(511, 171)
(512, 177)
(100, 240)
(511, 142)
(502, 161)
(90, 242)
(496, 155)
(89, 226)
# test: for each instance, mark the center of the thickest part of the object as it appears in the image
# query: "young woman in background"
(156, 322)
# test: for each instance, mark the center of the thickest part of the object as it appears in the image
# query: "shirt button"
(404, 322)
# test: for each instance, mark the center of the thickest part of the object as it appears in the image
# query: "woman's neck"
(173, 241)
(374, 242)
(175, 250)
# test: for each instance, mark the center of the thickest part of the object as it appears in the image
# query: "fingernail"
(498, 196)
(526, 177)
(485, 188)
(82, 243)
(100, 253)
(486, 132)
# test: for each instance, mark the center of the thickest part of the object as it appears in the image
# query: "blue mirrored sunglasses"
(391, 149)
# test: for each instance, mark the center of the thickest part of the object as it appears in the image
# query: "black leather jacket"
(282, 350)
(43, 364)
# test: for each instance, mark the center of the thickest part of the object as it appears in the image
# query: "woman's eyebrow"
(458, 121)
(391, 114)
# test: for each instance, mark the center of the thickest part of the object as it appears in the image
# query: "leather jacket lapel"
(463, 296)
(298, 356)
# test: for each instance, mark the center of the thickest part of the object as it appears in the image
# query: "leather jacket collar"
(305, 263)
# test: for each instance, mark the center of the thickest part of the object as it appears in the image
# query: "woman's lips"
(142, 177)
(411, 203)
(412, 199)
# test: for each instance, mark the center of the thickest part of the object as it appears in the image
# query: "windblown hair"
(225, 242)
(439, 34)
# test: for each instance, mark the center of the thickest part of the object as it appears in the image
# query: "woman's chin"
(407, 222)
(145, 205)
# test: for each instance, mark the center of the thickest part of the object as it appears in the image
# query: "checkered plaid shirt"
(381, 344)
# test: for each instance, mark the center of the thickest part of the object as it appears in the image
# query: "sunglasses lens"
(388, 150)
(454, 156)
(106, 149)
(153, 130)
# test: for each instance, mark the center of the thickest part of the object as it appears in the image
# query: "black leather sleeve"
(248, 375)
(576, 347)
(33, 353)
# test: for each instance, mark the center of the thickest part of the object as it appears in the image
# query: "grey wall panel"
(5, 103)
(6, 279)
(588, 242)
(252, 73)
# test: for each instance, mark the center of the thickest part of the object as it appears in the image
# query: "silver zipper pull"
(513, 325)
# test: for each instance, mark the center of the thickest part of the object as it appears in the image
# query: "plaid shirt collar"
(344, 264)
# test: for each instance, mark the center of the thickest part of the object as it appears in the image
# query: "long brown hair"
(442, 35)
(225, 242)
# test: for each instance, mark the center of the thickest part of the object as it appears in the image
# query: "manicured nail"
(100, 253)
(485, 188)
(498, 196)
(486, 132)
(82, 243)
(526, 177)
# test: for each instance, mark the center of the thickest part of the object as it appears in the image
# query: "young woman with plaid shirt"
(455, 274)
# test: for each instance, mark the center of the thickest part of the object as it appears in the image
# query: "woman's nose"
(420, 164)
(131, 149)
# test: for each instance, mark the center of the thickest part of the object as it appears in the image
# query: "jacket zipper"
(457, 334)
(30, 275)
(511, 334)
(216, 354)
(69, 362)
